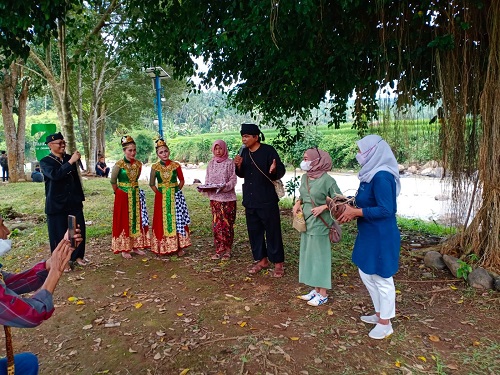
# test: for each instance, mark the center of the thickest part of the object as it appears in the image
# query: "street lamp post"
(157, 73)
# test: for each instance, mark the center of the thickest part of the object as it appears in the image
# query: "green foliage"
(464, 269)
(144, 146)
(342, 149)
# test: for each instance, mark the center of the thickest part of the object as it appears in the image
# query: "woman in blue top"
(376, 250)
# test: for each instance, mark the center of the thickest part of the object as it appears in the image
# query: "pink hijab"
(222, 145)
(321, 162)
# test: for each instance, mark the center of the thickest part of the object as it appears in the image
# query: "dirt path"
(153, 316)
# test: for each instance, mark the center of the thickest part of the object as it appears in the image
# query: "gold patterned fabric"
(128, 231)
(166, 237)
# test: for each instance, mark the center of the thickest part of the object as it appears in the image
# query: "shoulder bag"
(334, 230)
(278, 184)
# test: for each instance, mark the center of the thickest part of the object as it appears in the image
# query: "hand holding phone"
(71, 229)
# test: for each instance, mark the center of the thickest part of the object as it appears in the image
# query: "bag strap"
(260, 170)
(314, 204)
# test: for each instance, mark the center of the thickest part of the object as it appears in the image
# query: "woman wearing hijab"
(376, 250)
(315, 262)
(171, 217)
(221, 172)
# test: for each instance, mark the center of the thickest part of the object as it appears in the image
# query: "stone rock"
(412, 169)
(196, 181)
(452, 264)
(431, 164)
(433, 259)
(401, 168)
(480, 279)
(432, 172)
(496, 283)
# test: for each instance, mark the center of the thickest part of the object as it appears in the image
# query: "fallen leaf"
(397, 363)
(174, 276)
(180, 314)
(452, 367)
(73, 352)
(434, 338)
(453, 287)
(144, 259)
(242, 324)
(344, 275)
(398, 291)
(138, 305)
(476, 343)
(130, 350)
(330, 312)
(157, 356)
(160, 333)
(184, 372)
(88, 326)
(294, 338)
(422, 358)
(460, 301)
(72, 299)
(80, 302)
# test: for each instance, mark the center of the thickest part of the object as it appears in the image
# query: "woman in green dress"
(130, 231)
(315, 262)
(171, 219)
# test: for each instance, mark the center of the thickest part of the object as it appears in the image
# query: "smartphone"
(71, 229)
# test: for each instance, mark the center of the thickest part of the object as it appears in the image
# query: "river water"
(416, 200)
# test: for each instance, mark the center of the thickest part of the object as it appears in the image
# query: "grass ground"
(193, 315)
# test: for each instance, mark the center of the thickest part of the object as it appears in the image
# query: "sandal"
(126, 255)
(216, 256)
(226, 256)
(256, 268)
(279, 272)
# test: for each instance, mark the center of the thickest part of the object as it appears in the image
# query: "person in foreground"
(220, 172)
(63, 194)
(171, 216)
(315, 262)
(259, 164)
(130, 231)
(376, 250)
(28, 312)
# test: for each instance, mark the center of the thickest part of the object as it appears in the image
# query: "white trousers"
(382, 292)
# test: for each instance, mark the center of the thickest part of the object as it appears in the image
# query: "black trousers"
(264, 232)
(58, 225)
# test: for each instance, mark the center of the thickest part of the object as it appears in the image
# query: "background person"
(28, 312)
(315, 262)
(220, 170)
(101, 169)
(36, 175)
(260, 199)
(130, 232)
(4, 163)
(171, 217)
(63, 194)
(376, 250)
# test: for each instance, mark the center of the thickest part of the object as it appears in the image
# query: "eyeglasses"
(60, 144)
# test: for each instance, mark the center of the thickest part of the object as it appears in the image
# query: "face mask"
(361, 159)
(305, 165)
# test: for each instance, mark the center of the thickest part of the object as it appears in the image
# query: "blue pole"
(158, 103)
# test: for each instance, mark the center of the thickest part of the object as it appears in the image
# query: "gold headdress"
(126, 139)
(160, 142)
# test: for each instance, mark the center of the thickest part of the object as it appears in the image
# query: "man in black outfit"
(63, 194)
(258, 164)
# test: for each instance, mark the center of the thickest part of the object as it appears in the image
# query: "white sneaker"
(381, 331)
(372, 319)
(318, 300)
(309, 296)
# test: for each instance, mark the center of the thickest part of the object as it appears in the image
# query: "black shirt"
(258, 191)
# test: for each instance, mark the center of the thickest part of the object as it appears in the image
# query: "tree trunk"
(15, 138)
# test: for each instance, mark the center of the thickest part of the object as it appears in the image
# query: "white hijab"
(376, 156)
